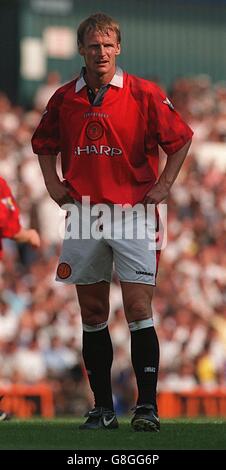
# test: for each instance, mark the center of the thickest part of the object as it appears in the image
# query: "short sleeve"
(172, 132)
(9, 213)
(46, 138)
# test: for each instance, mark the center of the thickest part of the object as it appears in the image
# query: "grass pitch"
(181, 434)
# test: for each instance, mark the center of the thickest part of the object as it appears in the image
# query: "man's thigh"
(85, 257)
(85, 262)
(135, 261)
(135, 249)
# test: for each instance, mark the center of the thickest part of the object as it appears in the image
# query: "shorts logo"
(64, 270)
(145, 272)
(94, 130)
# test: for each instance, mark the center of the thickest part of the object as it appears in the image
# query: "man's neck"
(97, 81)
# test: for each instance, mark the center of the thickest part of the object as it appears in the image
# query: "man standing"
(107, 125)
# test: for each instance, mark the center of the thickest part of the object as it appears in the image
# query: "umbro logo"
(145, 272)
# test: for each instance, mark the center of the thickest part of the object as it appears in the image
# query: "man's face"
(99, 51)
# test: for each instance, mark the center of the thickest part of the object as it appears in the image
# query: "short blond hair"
(98, 22)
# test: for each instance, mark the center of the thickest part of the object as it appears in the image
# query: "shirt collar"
(117, 80)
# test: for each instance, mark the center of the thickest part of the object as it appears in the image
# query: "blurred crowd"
(40, 326)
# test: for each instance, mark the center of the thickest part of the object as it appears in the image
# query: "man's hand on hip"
(59, 193)
(156, 195)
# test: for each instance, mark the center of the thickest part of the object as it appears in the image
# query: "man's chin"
(101, 71)
(102, 68)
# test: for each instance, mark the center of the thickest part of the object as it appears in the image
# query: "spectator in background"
(45, 91)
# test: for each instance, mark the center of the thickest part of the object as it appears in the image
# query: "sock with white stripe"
(145, 359)
(98, 357)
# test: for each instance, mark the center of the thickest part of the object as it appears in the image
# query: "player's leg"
(97, 353)
(144, 352)
(136, 265)
(87, 263)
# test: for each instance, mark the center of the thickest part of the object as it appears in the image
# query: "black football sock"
(145, 360)
(98, 357)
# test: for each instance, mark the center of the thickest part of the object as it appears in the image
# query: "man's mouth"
(102, 62)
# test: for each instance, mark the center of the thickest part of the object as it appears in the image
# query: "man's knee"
(139, 309)
(137, 300)
(94, 311)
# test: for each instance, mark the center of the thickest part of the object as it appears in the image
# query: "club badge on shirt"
(94, 130)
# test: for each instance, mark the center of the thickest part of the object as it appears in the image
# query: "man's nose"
(101, 50)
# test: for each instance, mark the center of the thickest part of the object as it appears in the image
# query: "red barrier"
(199, 402)
(26, 401)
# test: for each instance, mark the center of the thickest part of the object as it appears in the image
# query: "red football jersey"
(9, 213)
(110, 151)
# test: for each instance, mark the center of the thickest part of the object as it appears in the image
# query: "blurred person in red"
(10, 227)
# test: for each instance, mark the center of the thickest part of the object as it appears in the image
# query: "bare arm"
(56, 189)
(173, 165)
(28, 236)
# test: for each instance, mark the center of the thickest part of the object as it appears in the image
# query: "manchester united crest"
(94, 130)
(64, 270)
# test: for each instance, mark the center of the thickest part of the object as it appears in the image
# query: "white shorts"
(87, 259)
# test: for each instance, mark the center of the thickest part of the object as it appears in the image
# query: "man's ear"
(81, 49)
(118, 49)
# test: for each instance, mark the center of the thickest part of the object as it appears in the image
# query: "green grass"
(64, 434)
